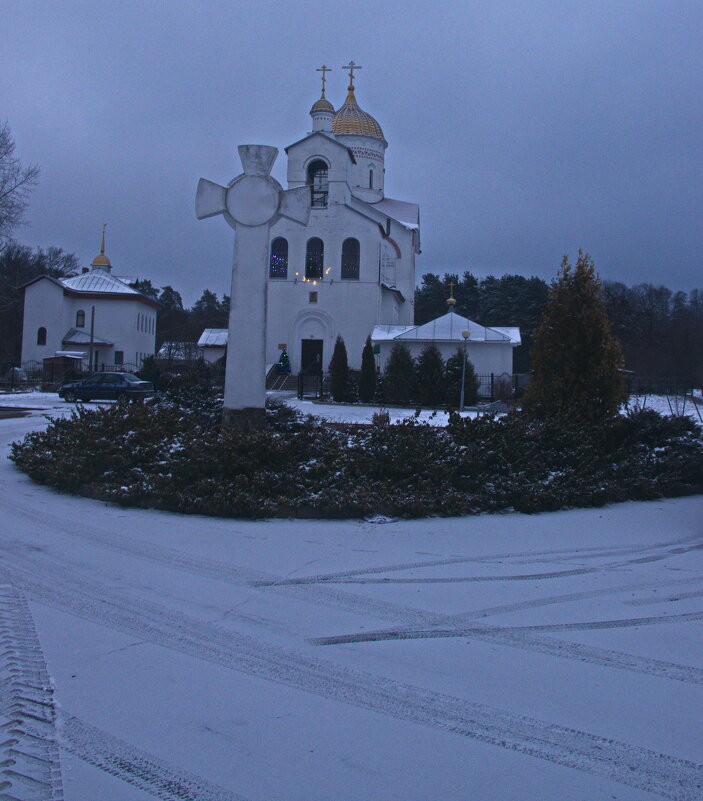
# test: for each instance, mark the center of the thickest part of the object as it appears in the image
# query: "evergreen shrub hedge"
(171, 453)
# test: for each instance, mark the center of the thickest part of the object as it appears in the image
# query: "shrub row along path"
(500, 656)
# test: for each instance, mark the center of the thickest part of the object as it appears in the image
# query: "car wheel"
(70, 396)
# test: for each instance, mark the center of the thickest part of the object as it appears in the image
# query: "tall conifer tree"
(429, 377)
(575, 356)
(367, 380)
(339, 371)
(398, 377)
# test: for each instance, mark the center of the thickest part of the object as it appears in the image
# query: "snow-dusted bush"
(173, 454)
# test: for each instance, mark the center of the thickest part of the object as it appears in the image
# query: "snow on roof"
(76, 337)
(213, 338)
(99, 280)
(384, 333)
(511, 332)
(407, 214)
(446, 329)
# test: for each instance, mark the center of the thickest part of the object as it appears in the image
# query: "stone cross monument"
(250, 204)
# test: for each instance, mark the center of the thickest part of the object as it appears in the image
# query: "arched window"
(350, 260)
(318, 183)
(314, 258)
(370, 179)
(80, 319)
(278, 262)
(41, 336)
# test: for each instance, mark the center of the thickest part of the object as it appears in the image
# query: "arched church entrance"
(312, 334)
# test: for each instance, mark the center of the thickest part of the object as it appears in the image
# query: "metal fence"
(492, 387)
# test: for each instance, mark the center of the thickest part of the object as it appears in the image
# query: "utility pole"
(466, 334)
(92, 335)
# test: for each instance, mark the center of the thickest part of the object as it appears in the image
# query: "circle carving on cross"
(253, 199)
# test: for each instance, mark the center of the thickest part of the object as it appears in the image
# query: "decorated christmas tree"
(283, 365)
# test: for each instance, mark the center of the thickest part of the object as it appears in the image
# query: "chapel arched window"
(314, 258)
(278, 261)
(370, 179)
(41, 336)
(80, 319)
(350, 260)
(318, 183)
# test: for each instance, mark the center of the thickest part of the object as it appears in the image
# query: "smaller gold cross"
(323, 69)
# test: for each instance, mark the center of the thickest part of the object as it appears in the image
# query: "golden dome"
(323, 104)
(350, 119)
(101, 260)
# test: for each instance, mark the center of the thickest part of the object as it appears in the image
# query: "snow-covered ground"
(50, 401)
(499, 658)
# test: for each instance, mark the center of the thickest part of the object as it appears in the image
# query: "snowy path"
(499, 657)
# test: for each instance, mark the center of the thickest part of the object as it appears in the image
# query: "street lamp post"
(466, 334)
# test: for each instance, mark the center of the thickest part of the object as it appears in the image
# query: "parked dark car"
(107, 386)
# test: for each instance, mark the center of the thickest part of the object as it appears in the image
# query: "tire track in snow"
(229, 574)
(669, 777)
(672, 548)
(30, 767)
(464, 631)
(549, 600)
(408, 616)
(136, 767)
(342, 579)
(679, 596)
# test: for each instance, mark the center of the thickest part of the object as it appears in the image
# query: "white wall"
(43, 306)
(486, 357)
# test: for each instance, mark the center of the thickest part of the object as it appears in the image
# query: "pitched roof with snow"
(213, 338)
(75, 337)
(407, 214)
(99, 280)
(446, 329)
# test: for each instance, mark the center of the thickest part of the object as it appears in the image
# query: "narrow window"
(314, 257)
(119, 357)
(80, 319)
(278, 262)
(41, 336)
(350, 260)
(313, 297)
(318, 183)
(370, 179)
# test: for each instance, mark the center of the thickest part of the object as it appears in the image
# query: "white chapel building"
(352, 267)
(58, 313)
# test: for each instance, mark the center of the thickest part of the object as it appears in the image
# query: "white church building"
(353, 265)
(93, 313)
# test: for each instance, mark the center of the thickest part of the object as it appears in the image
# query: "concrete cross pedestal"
(250, 204)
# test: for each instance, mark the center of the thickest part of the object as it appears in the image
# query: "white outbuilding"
(490, 350)
(93, 313)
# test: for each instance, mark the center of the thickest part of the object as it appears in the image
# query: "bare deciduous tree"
(16, 182)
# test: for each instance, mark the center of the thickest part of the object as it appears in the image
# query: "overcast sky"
(524, 130)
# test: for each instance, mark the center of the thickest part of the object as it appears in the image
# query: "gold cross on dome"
(323, 69)
(451, 289)
(351, 66)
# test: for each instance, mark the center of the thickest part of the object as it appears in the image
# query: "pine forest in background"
(661, 332)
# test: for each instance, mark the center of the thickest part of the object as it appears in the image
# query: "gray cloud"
(523, 130)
